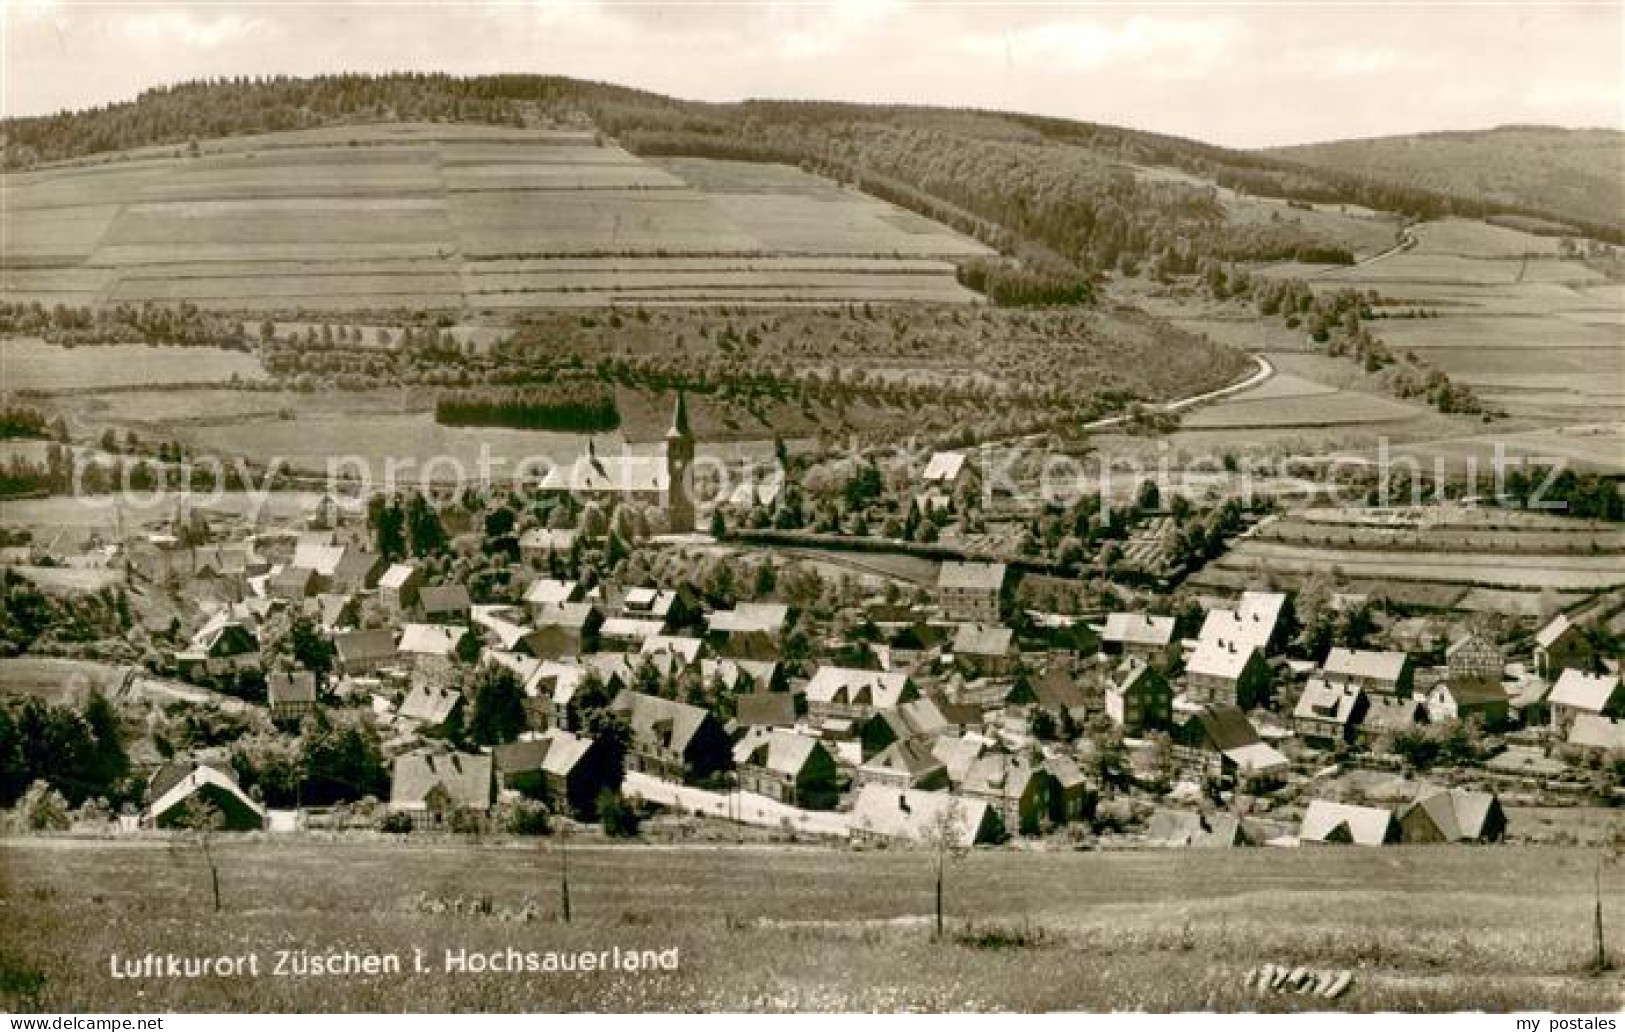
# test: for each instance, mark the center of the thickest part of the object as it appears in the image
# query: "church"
(657, 480)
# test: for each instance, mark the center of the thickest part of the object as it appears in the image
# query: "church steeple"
(679, 419)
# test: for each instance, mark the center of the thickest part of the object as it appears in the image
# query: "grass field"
(27, 363)
(1423, 929)
(1561, 572)
(431, 217)
(65, 681)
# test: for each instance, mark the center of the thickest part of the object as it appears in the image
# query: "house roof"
(1393, 714)
(542, 539)
(609, 474)
(628, 628)
(648, 601)
(1138, 629)
(972, 576)
(200, 776)
(443, 598)
(957, 755)
(1472, 641)
(1131, 674)
(911, 756)
(1555, 628)
(910, 815)
(782, 752)
(356, 562)
(555, 752)
(1458, 814)
(1257, 759)
(429, 704)
(547, 591)
(1252, 622)
(1365, 825)
(464, 777)
(1381, 666)
(1327, 702)
(1226, 727)
(983, 640)
(1057, 687)
(734, 672)
(913, 719)
(661, 722)
(1000, 774)
(848, 686)
(1592, 731)
(1183, 828)
(1592, 693)
(569, 615)
(397, 576)
(687, 650)
(291, 687)
(747, 617)
(422, 639)
(357, 646)
(1467, 692)
(766, 709)
(1220, 658)
(944, 467)
(318, 556)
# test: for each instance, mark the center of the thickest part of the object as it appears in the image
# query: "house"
(221, 646)
(881, 814)
(623, 633)
(1562, 645)
(1469, 697)
(1059, 691)
(1386, 715)
(684, 652)
(1072, 795)
(750, 630)
(1456, 815)
(906, 763)
(1378, 673)
(544, 593)
(845, 692)
(363, 652)
(1227, 671)
(971, 592)
(357, 570)
(1474, 657)
(918, 718)
(1577, 692)
(741, 676)
(434, 789)
(423, 641)
(537, 543)
(1253, 622)
(331, 611)
(1329, 823)
(444, 604)
(563, 630)
(1150, 638)
(1187, 829)
(984, 650)
(291, 695)
(398, 588)
(430, 705)
(1327, 715)
(500, 626)
(1138, 698)
(944, 471)
(1219, 742)
(558, 766)
(793, 769)
(1016, 786)
(672, 740)
(292, 582)
(666, 606)
(765, 709)
(176, 786)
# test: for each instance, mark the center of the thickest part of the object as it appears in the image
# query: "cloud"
(185, 28)
(1094, 45)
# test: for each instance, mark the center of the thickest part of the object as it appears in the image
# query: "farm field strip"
(1515, 571)
(1330, 409)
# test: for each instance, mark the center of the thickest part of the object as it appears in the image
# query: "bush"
(395, 824)
(616, 815)
(526, 817)
(43, 808)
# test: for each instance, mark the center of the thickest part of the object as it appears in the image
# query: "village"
(575, 655)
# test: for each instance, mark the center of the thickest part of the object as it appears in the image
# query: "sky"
(1244, 74)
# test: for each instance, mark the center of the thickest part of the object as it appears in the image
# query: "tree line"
(577, 406)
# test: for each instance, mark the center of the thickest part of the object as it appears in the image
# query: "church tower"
(679, 458)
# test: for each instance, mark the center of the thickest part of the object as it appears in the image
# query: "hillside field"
(784, 928)
(454, 217)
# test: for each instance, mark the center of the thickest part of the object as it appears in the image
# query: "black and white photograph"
(861, 507)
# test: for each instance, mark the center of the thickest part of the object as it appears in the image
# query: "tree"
(499, 707)
(43, 808)
(201, 820)
(616, 816)
(389, 527)
(944, 839)
(310, 650)
(423, 527)
(468, 648)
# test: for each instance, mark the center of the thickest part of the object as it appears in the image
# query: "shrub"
(526, 817)
(395, 824)
(43, 808)
(616, 815)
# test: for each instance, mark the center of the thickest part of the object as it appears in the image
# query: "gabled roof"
(356, 562)
(1384, 713)
(397, 576)
(368, 645)
(1132, 674)
(316, 556)
(1591, 693)
(944, 467)
(685, 650)
(200, 776)
(650, 602)
(1000, 774)
(1056, 687)
(983, 640)
(429, 704)
(555, 752)
(852, 687)
(1382, 666)
(972, 576)
(421, 639)
(958, 755)
(464, 777)
(1475, 693)
(1252, 622)
(1472, 641)
(660, 722)
(1220, 658)
(911, 756)
(749, 617)
(765, 709)
(285, 687)
(1458, 814)
(782, 752)
(1185, 828)
(628, 628)
(546, 591)
(542, 539)
(1138, 629)
(498, 623)
(913, 719)
(1326, 821)
(1555, 628)
(444, 598)
(910, 815)
(1226, 727)
(734, 672)
(609, 474)
(568, 615)
(1591, 731)
(1257, 759)
(1327, 702)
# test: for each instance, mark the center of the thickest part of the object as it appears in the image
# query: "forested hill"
(1070, 198)
(1574, 174)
